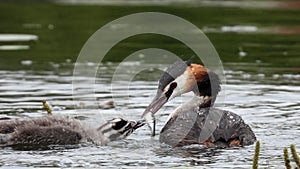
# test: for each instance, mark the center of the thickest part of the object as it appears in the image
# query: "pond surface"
(268, 102)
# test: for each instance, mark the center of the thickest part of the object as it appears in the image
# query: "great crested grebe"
(185, 124)
(63, 131)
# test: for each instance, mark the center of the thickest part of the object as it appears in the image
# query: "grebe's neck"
(207, 101)
(195, 103)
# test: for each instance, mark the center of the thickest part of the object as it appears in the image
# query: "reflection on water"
(279, 30)
(16, 38)
(14, 47)
(268, 102)
(216, 3)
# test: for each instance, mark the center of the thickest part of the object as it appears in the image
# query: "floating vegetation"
(256, 155)
(46, 106)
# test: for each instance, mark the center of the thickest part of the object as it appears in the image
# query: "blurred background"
(257, 32)
(258, 42)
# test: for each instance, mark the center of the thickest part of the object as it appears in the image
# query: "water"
(268, 102)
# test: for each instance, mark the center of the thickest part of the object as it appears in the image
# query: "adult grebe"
(187, 124)
(62, 130)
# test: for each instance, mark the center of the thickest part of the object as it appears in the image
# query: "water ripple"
(271, 108)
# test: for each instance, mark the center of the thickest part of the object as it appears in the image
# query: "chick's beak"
(138, 124)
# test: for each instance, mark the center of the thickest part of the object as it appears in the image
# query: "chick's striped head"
(118, 128)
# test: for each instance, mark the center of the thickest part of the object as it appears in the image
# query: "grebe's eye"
(173, 86)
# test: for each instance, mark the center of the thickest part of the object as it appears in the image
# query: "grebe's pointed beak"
(156, 104)
(160, 99)
(148, 114)
(150, 120)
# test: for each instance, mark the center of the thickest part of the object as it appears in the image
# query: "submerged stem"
(46, 106)
(286, 158)
(256, 155)
(295, 155)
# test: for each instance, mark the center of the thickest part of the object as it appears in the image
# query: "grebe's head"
(118, 128)
(180, 78)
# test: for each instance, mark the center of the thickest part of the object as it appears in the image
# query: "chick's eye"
(119, 125)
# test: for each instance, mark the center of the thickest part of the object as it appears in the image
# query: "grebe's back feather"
(185, 128)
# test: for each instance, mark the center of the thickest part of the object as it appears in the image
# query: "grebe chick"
(52, 130)
(187, 124)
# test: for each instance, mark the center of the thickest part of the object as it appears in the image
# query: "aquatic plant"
(286, 158)
(295, 155)
(287, 161)
(46, 106)
(256, 155)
